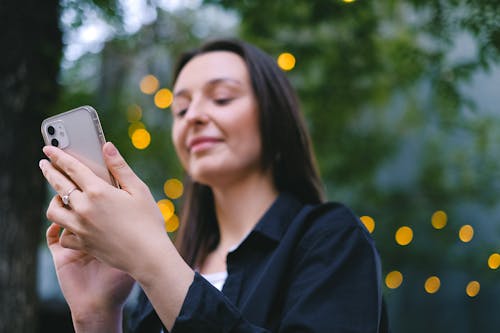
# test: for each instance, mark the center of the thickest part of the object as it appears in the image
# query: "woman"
(258, 251)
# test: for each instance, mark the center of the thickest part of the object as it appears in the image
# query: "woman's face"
(216, 121)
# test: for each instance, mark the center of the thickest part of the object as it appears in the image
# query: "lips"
(202, 143)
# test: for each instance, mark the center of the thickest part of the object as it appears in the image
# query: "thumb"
(120, 170)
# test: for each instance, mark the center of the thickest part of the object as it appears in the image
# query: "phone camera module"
(51, 130)
(55, 133)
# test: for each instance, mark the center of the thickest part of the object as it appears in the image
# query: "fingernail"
(110, 149)
(41, 164)
(48, 151)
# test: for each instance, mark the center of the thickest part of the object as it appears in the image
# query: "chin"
(220, 171)
(214, 176)
(205, 176)
(207, 180)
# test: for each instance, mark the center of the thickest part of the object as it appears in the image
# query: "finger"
(79, 173)
(122, 172)
(59, 214)
(59, 182)
(70, 241)
(52, 234)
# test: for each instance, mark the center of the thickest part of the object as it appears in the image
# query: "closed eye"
(180, 113)
(223, 101)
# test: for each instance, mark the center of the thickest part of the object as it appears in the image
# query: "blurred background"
(402, 99)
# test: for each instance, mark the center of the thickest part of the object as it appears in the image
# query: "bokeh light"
(432, 284)
(404, 235)
(163, 98)
(348, 1)
(393, 279)
(149, 84)
(286, 61)
(173, 188)
(167, 209)
(472, 288)
(466, 233)
(172, 224)
(494, 261)
(369, 223)
(439, 219)
(135, 126)
(141, 138)
(134, 113)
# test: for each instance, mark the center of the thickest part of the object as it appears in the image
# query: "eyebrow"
(210, 84)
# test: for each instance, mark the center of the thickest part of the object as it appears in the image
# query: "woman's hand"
(120, 227)
(95, 292)
(116, 226)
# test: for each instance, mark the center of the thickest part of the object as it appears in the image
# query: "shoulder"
(331, 222)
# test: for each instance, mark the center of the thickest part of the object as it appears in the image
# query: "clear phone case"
(78, 132)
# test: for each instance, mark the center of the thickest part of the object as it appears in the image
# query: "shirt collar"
(275, 221)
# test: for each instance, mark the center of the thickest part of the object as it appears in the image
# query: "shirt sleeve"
(207, 310)
(333, 286)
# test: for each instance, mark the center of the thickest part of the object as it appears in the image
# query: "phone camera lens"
(51, 130)
(54, 142)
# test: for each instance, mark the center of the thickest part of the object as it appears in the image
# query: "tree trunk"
(31, 48)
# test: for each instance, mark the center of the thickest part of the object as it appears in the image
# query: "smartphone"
(78, 132)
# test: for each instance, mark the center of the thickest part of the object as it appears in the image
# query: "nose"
(196, 112)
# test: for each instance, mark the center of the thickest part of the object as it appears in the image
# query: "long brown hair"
(286, 149)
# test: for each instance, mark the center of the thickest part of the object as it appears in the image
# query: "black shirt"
(303, 268)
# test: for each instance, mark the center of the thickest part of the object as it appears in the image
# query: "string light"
(369, 223)
(163, 98)
(141, 138)
(472, 288)
(149, 84)
(494, 261)
(135, 126)
(393, 279)
(439, 219)
(173, 188)
(432, 285)
(167, 209)
(466, 233)
(134, 113)
(286, 61)
(404, 235)
(172, 224)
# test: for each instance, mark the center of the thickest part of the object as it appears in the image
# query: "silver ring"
(65, 198)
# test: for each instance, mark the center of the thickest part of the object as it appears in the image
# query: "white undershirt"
(216, 279)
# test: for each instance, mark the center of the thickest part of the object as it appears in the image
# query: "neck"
(240, 206)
